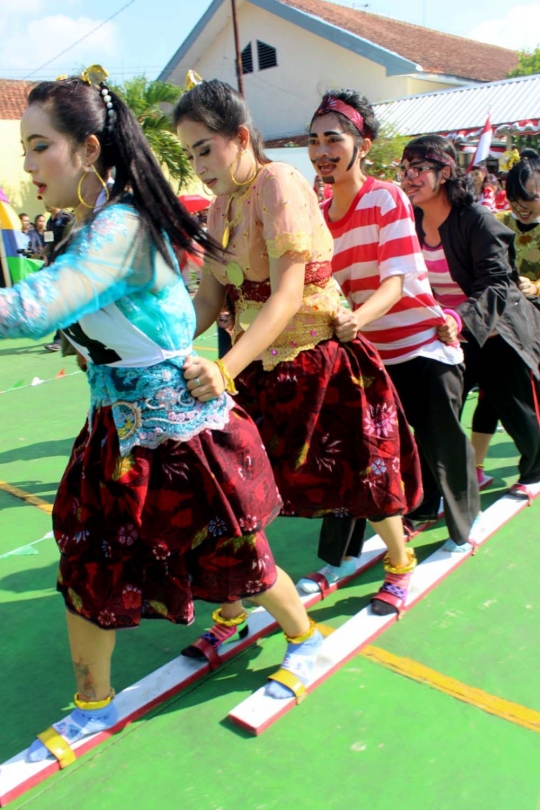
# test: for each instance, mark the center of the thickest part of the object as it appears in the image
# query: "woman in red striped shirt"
(379, 265)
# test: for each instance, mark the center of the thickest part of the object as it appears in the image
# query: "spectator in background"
(26, 225)
(501, 200)
(323, 190)
(37, 239)
(56, 227)
(58, 220)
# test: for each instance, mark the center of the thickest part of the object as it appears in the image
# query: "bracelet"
(456, 317)
(85, 705)
(234, 622)
(227, 379)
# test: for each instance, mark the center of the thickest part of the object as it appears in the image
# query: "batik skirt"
(144, 535)
(334, 431)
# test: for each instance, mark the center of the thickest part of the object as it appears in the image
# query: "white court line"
(17, 552)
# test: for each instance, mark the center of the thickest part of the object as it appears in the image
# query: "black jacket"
(481, 258)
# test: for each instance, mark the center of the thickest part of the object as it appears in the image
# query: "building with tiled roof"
(294, 50)
(15, 183)
(13, 94)
(434, 51)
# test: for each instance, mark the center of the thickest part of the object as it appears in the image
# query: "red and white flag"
(484, 143)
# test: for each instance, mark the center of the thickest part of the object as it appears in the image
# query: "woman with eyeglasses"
(379, 265)
(470, 260)
(523, 192)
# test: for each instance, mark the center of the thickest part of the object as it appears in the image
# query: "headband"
(334, 105)
(426, 153)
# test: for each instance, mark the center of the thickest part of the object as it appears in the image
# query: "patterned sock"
(80, 723)
(218, 635)
(396, 585)
(300, 660)
(332, 573)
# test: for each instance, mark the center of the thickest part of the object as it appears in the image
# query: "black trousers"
(432, 395)
(512, 392)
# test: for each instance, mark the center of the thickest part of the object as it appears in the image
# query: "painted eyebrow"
(200, 143)
(326, 134)
(33, 137)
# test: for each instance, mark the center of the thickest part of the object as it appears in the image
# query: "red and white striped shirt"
(377, 239)
(446, 291)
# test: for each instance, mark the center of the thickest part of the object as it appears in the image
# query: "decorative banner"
(483, 145)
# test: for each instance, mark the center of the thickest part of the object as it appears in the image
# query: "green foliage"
(146, 99)
(387, 149)
(529, 63)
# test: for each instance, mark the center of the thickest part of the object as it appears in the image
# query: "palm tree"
(146, 98)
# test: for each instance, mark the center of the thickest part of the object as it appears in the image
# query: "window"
(267, 55)
(247, 59)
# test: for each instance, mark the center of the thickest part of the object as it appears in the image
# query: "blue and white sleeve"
(94, 271)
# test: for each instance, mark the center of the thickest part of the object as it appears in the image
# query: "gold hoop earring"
(237, 160)
(101, 180)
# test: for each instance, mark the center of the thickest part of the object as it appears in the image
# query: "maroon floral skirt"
(145, 535)
(335, 432)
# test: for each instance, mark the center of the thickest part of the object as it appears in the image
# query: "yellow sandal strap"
(59, 748)
(288, 679)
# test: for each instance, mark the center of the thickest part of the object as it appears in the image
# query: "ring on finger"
(197, 382)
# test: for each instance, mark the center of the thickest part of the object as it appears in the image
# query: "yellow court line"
(499, 707)
(33, 500)
(204, 348)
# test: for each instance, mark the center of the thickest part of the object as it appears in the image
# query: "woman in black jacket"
(470, 259)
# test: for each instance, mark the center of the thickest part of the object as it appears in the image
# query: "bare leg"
(230, 610)
(480, 442)
(390, 531)
(283, 603)
(91, 653)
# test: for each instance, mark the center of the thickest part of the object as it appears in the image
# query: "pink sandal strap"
(390, 599)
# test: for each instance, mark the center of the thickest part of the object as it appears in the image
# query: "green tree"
(150, 102)
(386, 150)
(528, 63)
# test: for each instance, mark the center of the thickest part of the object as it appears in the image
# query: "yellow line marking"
(499, 707)
(33, 500)
(205, 348)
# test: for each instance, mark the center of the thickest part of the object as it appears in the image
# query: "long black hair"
(442, 152)
(220, 109)
(359, 103)
(77, 110)
(527, 167)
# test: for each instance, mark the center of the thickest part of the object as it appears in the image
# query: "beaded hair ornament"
(95, 76)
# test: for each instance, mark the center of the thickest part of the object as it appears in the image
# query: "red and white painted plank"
(17, 775)
(258, 712)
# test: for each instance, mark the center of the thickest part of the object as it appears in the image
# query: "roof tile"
(13, 98)
(434, 51)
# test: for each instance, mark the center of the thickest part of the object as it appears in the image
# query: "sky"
(138, 37)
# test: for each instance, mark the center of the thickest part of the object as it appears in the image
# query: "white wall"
(14, 181)
(283, 99)
(297, 156)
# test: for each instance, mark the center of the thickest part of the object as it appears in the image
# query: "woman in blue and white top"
(166, 496)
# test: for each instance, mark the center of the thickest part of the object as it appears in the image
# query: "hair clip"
(94, 75)
(192, 79)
